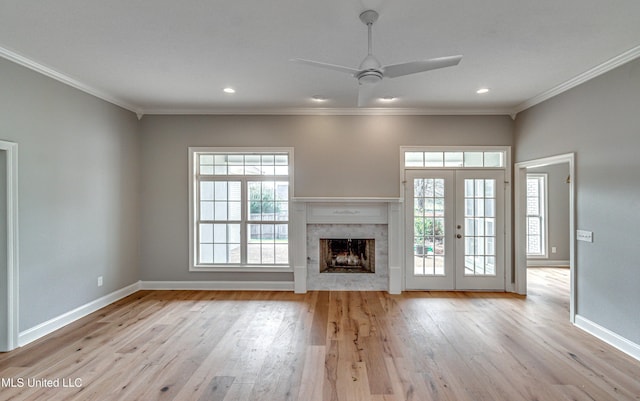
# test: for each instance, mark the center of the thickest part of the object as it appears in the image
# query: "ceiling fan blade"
(327, 66)
(413, 67)
(365, 94)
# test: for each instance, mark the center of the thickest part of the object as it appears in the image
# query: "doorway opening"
(524, 239)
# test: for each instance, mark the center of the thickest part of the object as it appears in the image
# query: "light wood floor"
(200, 345)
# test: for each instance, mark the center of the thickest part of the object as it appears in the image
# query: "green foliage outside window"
(426, 227)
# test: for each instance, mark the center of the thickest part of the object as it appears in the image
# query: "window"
(440, 159)
(536, 215)
(239, 208)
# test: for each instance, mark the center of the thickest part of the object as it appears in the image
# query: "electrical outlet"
(99, 281)
(554, 249)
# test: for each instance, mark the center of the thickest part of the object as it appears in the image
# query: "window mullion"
(198, 221)
(244, 221)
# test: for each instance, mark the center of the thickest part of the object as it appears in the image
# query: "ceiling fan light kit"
(369, 77)
(371, 71)
(368, 17)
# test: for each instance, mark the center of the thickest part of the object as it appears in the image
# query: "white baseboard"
(218, 285)
(608, 336)
(41, 330)
(547, 262)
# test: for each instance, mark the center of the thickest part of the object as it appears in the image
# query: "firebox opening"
(339, 255)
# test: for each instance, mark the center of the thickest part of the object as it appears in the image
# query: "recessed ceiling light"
(388, 99)
(482, 91)
(229, 90)
(318, 98)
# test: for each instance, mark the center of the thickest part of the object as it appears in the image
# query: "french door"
(455, 229)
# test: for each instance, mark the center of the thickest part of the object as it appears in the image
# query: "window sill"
(242, 269)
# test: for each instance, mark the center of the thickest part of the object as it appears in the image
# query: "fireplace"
(342, 255)
(370, 219)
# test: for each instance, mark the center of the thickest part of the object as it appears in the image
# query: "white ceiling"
(167, 56)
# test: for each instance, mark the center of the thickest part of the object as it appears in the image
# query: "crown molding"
(65, 79)
(598, 70)
(331, 111)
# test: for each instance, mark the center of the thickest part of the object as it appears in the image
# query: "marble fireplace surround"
(349, 218)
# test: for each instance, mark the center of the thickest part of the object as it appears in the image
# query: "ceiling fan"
(371, 71)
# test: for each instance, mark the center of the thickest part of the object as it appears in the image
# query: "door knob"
(459, 236)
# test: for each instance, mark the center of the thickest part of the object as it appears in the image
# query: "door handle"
(459, 236)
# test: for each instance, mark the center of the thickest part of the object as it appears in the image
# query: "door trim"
(12, 244)
(520, 170)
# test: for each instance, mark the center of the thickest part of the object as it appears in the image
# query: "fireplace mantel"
(352, 210)
(347, 213)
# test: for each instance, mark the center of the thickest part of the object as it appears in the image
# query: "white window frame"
(543, 199)
(505, 150)
(193, 205)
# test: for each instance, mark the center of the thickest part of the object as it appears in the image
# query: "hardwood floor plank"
(143, 339)
(336, 321)
(407, 383)
(373, 358)
(239, 392)
(358, 317)
(352, 382)
(312, 374)
(330, 382)
(217, 389)
(320, 319)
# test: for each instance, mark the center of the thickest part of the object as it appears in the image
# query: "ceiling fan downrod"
(370, 67)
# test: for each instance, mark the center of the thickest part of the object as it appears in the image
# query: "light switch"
(583, 235)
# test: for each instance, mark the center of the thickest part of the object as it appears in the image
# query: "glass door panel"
(480, 236)
(429, 222)
(428, 225)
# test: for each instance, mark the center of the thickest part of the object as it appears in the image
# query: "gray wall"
(78, 192)
(335, 156)
(558, 210)
(600, 121)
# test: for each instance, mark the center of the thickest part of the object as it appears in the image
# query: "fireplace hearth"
(342, 255)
